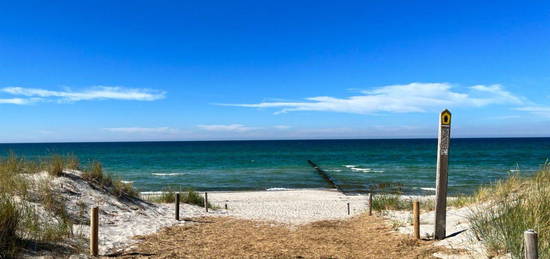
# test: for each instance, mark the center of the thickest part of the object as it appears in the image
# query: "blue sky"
(162, 70)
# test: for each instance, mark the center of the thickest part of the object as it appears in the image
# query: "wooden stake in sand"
(206, 201)
(416, 219)
(177, 206)
(226, 206)
(531, 244)
(370, 204)
(443, 141)
(348, 208)
(94, 231)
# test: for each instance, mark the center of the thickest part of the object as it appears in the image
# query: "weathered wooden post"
(348, 209)
(178, 206)
(443, 142)
(206, 201)
(94, 231)
(226, 206)
(416, 219)
(370, 204)
(531, 244)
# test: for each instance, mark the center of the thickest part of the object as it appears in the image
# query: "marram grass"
(510, 207)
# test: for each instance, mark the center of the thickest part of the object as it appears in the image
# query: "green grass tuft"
(513, 206)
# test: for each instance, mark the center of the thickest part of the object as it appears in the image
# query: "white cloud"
(230, 127)
(543, 111)
(94, 93)
(413, 97)
(19, 101)
(282, 127)
(138, 130)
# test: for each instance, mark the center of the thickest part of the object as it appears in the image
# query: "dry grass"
(359, 237)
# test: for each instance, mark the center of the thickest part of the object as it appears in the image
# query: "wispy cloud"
(139, 130)
(94, 93)
(19, 101)
(229, 127)
(413, 97)
(543, 111)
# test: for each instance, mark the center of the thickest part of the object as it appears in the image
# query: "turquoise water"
(357, 165)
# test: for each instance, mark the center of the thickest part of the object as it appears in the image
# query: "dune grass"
(20, 221)
(95, 174)
(22, 191)
(512, 206)
(168, 195)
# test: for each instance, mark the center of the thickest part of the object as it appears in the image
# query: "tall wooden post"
(178, 206)
(443, 142)
(94, 231)
(531, 244)
(416, 219)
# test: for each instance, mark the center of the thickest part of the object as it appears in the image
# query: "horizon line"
(235, 140)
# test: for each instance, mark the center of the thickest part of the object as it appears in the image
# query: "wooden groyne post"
(177, 206)
(348, 209)
(531, 244)
(94, 231)
(416, 219)
(324, 175)
(443, 141)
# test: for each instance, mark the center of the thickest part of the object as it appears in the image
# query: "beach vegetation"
(95, 174)
(508, 208)
(25, 198)
(168, 195)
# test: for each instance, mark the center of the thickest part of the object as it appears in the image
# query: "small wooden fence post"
(177, 206)
(206, 201)
(370, 204)
(348, 209)
(531, 244)
(94, 231)
(416, 219)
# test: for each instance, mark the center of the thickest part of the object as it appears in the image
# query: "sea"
(357, 165)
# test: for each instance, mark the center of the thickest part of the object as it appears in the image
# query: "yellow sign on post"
(446, 117)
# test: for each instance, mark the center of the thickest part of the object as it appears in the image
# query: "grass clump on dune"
(512, 206)
(169, 196)
(119, 188)
(9, 222)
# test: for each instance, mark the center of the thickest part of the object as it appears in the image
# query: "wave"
(427, 189)
(350, 166)
(167, 174)
(361, 169)
(277, 189)
(126, 182)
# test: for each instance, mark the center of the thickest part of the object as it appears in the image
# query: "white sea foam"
(277, 189)
(366, 170)
(428, 189)
(126, 182)
(350, 166)
(167, 174)
(378, 171)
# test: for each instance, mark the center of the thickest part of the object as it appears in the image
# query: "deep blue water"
(357, 165)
